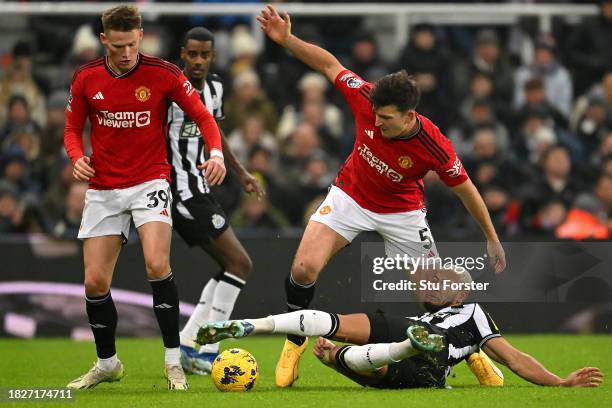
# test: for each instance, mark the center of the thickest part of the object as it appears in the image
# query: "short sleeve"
(355, 90)
(447, 163)
(486, 327)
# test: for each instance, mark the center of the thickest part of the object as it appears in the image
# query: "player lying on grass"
(399, 352)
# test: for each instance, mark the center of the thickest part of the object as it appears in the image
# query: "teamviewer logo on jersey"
(377, 164)
(123, 120)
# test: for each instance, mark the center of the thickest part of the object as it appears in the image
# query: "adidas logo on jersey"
(369, 133)
(98, 96)
(164, 212)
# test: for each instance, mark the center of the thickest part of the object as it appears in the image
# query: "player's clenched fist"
(214, 170)
(82, 170)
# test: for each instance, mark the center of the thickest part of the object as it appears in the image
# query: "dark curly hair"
(399, 89)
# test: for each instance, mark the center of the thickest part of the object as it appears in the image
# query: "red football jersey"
(128, 119)
(385, 175)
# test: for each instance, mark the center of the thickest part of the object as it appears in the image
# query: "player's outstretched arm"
(474, 203)
(279, 30)
(533, 371)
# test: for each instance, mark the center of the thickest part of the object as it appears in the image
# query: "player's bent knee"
(241, 266)
(158, 267)
(304, 271)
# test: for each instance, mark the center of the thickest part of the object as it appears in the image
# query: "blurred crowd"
(530, 115)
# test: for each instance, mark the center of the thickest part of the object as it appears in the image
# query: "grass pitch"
(53, 363)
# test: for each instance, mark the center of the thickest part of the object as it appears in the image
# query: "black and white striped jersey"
(467, 328)
(185, 143)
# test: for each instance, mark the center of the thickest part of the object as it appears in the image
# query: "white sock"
(304, 323)
(172, 356)
(107, 364)
(402, 350)
(199, 315)
(371, 357)
(263, 325)
(222, 304)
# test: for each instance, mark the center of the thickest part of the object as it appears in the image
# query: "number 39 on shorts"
(158, 197)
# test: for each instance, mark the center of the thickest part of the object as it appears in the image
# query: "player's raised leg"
(317, 246)
(155, 237)
(100, 256)
(217, 300)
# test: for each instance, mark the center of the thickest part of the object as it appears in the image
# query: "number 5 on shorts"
(425, 238)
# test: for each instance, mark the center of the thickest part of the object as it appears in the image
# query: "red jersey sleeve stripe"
(365, 91)
(434, 145)
(162, 66)
(166, 64)
(149, 59)
(161, 62)
(423, 139)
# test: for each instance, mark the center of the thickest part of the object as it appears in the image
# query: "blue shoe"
(214, 332)
(194, 362)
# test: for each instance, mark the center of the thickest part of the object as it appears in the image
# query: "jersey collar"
(125, 74)
(411, 134)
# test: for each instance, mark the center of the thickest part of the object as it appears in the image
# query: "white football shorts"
(109, 212)
(404, 233)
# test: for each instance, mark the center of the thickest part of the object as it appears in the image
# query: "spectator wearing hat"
(243, 50)
(556, 78)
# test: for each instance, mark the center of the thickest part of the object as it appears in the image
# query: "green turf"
(52, 363)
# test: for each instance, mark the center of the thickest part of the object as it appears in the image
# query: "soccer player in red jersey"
(379, 187)
(125, 95)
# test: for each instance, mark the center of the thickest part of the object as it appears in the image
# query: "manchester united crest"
(142, 93)
(405, 162)
(325, 210)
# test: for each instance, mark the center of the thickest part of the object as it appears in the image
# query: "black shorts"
(423, 370)
(199, 219)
